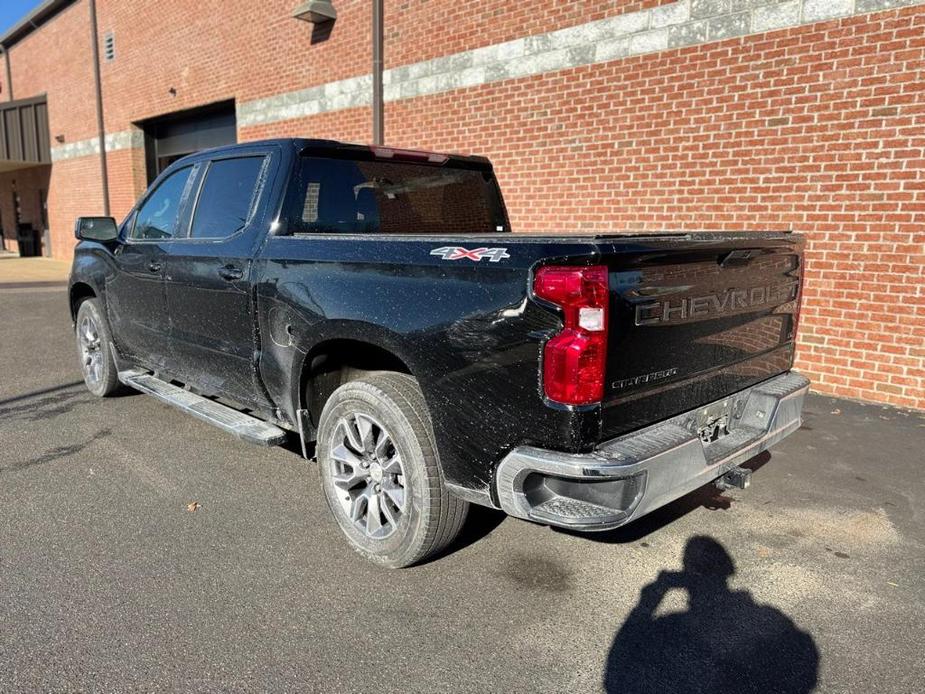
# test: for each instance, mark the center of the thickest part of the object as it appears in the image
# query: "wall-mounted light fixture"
(315, 11)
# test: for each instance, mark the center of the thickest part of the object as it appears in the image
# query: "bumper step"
(568, 510)
(629, 476)
(243, 426)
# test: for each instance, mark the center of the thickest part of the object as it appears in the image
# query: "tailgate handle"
(739, 257)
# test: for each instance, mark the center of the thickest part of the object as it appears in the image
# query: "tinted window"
(157, 217)
(226, 198)
(359, 196)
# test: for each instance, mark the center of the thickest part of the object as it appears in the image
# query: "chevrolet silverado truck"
(372, 302)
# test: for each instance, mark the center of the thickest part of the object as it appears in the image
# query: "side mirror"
(96, 229)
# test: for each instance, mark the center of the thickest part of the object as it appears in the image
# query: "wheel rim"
(91, 353)
(368, 476)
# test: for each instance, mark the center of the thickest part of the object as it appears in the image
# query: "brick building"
(599, 115)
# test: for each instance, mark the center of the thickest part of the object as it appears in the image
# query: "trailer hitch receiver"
(738, 477)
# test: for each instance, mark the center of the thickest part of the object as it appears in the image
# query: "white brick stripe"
(678, 24)
(124, 139)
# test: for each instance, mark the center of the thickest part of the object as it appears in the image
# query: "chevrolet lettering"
(729, 301)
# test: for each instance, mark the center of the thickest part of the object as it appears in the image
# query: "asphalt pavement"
(142, 549)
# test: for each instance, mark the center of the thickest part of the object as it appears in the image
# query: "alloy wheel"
(91, 355)
(368, 476)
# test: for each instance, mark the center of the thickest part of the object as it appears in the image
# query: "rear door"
(135, 299)
(695, 318)
(209, 274)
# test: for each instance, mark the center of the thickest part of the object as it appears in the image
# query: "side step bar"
(243, 426)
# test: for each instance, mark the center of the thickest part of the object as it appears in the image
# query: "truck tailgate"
(694, 318)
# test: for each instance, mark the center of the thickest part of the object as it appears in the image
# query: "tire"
(94, 350)
(386, 412)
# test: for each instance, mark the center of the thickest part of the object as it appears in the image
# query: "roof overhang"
(24, 140)
(32, 21)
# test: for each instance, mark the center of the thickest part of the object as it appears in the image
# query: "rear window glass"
(226, 198)
(351, 196)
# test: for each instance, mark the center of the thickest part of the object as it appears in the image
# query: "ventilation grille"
(109, 47)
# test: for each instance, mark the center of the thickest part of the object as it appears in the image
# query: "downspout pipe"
(378, 98)
(101, 127)
(9, 72)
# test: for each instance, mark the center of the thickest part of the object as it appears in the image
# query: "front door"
(135, 299)
(209, 276)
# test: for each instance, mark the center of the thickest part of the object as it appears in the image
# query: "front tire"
(380, 474)
(94, 350)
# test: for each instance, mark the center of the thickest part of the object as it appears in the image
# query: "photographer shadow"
(724, 642)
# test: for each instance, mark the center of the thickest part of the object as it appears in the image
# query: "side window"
(226, 198)
(157, 217)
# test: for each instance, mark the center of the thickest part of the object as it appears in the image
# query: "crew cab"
(374, 303)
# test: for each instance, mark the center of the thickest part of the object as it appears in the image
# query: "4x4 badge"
(494, 255)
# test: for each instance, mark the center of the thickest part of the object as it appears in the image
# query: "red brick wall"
(215, 50)
(819, 128)
(56, 60)
(75, 190)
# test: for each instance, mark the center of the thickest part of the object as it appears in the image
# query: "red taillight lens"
(574, 360)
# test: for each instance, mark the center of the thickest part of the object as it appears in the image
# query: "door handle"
(154, 266)
(230, 272)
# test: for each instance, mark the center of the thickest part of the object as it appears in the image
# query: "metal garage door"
(171, 137)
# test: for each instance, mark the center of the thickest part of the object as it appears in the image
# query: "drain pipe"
(9, 72)
(101, 127)
(378, 100)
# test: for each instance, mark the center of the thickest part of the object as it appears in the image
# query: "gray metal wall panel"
(13, 134)
(41, 122)
(24, 134)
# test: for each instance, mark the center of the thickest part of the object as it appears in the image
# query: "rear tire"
(380, 474)
(94, 350)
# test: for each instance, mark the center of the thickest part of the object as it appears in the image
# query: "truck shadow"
(49, 403)
(707, 496)
(723, 642)
(480, 521)
(57, 453)
(43, 391)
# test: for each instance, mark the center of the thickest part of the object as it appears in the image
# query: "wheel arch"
(77, 293)
(332, 362)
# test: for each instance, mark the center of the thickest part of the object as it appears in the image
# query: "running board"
(243, 426)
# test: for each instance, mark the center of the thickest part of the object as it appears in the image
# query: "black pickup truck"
(372, 301)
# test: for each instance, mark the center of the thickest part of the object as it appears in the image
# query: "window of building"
(227, 197)
(157, 218)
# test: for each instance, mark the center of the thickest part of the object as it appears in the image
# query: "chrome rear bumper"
(629, 476)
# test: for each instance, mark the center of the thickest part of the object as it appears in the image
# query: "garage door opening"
(171, 137)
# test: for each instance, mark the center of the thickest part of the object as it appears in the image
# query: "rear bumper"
(629, 476)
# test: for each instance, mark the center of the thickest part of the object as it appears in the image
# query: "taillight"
(574, 360)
